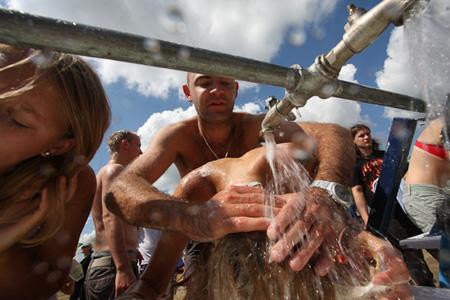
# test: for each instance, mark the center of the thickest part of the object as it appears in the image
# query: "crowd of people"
(53, 115)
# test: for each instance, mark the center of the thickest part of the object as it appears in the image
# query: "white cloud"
(87, 237)
(252, 28)
(168, 181)
(333, 110)
(418, 62)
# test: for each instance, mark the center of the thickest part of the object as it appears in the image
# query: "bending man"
(218, 132)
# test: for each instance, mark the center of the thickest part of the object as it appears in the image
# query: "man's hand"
(140, 290)
(235, 209)
(391, 272)
(307, 221)
(124, 279)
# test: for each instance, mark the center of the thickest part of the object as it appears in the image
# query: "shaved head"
(189, 77)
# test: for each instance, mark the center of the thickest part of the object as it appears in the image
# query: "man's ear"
(237, 88)
(187, 92)
(124, 144)
(62, 146)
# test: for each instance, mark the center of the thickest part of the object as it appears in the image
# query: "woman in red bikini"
(427, 179)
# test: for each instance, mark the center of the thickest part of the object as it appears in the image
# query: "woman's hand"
(13, 233)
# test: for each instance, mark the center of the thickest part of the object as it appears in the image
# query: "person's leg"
(100, 279)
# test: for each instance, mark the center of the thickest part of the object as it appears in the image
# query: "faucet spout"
(364, 27)
(320, 79)
(276, 114)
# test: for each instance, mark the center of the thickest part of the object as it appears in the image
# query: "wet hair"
(237, 267)
(117, 137)
(358, 127)
(84, 104)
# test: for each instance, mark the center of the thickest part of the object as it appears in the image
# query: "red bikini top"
(437, 150)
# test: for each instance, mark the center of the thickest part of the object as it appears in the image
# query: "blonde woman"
(53, 114)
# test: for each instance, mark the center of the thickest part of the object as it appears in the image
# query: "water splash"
(426, 32)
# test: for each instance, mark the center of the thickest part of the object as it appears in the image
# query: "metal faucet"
(320, 79)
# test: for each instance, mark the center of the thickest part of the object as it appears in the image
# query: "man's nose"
(217, 88)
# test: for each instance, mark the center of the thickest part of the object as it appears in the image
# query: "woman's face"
(31, 122)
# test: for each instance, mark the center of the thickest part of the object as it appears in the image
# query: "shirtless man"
(204, 282)
(218, 132)
(114, 257)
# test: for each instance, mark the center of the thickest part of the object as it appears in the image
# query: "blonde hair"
(85, 105)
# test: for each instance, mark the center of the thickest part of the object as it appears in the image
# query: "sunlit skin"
(32, 123)
(111, 233)
(425, 168)
(202, 183)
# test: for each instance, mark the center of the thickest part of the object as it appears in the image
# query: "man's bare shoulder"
(173, 132)
(249, 119)
(109, 171)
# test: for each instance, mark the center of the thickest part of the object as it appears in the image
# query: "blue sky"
(283, 32)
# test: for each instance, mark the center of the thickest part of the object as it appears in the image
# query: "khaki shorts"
(421, 202)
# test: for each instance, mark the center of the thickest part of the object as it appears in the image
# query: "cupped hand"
(124, 279)
(234, 209)
(391, 271)
(308, 221)
(12, 233)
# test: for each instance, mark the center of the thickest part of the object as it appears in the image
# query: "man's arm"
(361, 203)
(134, 199)
(335, 151)
(315, 214)
(114, 234)
(38, 272)
(156, 277)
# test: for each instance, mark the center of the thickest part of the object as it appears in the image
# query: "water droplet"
(152, 45)
(63, 262)
(297, 38)
(327, 90)
(184, 53)
(48, 170)
(193, 210)
(40, 268)
(156, 217)
(43, 60)
(173, 20)
(2, 59)
(54, 276)
(353, 90)
(80, 159)
(63, 237)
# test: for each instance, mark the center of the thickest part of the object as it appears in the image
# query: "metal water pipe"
(320, 79)
(26, 30)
